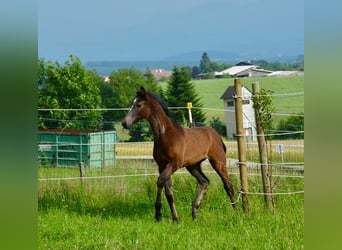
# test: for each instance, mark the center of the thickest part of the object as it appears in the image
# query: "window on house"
(245, 101)
(230, 103)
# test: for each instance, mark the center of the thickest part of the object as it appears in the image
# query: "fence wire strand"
(145, 157)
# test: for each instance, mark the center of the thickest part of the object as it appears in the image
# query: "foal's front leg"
(164, 180)
(158, 203)
(170, 200)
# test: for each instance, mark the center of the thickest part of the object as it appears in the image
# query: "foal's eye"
(139, 105)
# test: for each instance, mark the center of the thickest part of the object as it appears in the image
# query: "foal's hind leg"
(203, 183)
(221, 170)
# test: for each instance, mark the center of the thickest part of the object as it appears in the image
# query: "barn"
(248, 113)
(243, 69)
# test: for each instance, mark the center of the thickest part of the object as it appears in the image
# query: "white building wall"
(248, 116)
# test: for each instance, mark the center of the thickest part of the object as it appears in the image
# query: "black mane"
(160, 101)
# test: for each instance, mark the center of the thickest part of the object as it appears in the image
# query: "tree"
(180, 91)
(119, 93)
(195, 71)
(67, 87)
(263, 101)
(121, 90)
(205, 63)
(208, 67)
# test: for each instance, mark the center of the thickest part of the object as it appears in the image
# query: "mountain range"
(191, 58)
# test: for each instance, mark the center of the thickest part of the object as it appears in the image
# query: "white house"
(249, 123)
(243, 69)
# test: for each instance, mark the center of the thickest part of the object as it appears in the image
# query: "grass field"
(118, 213)
(212, 89)
(294, 150)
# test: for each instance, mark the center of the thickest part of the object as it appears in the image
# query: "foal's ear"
(141, 92)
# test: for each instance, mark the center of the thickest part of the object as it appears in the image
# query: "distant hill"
(191, 58)
(106, 67)
(214, 55)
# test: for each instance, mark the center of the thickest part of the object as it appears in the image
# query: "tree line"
(64, 90)
(208, 67)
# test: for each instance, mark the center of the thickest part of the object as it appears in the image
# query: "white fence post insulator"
(189, 107)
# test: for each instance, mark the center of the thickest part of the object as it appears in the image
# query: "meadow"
(211, 90)
(294, 150)
(117, 210)
(118, 213)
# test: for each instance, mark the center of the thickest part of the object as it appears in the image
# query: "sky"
(158, 29)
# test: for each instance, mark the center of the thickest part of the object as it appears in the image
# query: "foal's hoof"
(175, 220)
(194, 216)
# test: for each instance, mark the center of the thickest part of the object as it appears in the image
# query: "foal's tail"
(224, 146)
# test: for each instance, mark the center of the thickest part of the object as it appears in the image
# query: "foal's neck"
(160, 122)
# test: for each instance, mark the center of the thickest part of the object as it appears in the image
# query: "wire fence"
(133, 160)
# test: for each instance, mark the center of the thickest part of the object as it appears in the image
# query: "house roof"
(263, 71)
(230, 92)
(245, 63)
(236, 69)
(285, 73)
(159, 73)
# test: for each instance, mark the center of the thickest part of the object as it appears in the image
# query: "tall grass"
(119, 214)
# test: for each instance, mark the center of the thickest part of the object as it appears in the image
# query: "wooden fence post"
(263, 153)
(240, 133)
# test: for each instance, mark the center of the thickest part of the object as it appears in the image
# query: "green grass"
(212, 89)
(118, 213)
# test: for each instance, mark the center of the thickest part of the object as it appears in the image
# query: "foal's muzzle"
(127, 122)
(124, 124)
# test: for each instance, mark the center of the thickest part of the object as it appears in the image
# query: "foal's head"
(140, 109)
(144, 104)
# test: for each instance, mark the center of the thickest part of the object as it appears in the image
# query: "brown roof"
(229, 93)
(159, 73)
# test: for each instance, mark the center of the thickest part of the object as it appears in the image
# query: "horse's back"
(205, 138)
(204, 133)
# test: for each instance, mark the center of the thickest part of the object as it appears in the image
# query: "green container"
(70, 147)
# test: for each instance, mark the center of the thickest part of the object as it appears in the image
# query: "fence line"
(136, 143)
(146, 153)
(272, 95)
(240, 192)
(121, 109)
(171, 108)
(285, 193)
(147, 174)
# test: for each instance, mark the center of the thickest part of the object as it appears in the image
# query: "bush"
(218, 125)
(291, 124)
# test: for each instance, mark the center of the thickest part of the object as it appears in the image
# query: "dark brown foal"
(177, 147)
